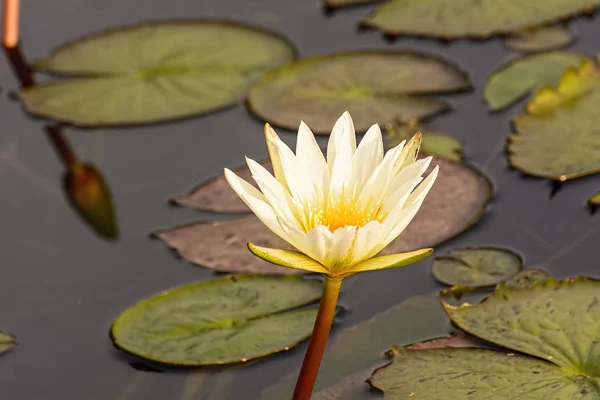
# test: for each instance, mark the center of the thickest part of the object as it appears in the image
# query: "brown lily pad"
(456, 202)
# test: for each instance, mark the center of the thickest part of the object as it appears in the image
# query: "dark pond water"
(61, 286)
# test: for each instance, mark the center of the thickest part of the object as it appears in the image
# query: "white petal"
(368, 238)
(273, 148)
(341, 250)
(256, 201)
(343, 130)
(397, 199)
(276, 195)
(414, 170)
(314, 244)
(422, 190)
(377, 184)
(343, 174)
(309, 153)
(401, 222)
(368, 155)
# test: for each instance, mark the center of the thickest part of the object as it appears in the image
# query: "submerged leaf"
(558, 137)
(541, 39)
(353, 353)
(454, 204)
(7, 342)
(474, 18)
(477, 267)
(374, 86)
(526, 277)
(89, 194)
(154, 72)
(595, 200)
(514, 80)
(227, 320)
(434, 144)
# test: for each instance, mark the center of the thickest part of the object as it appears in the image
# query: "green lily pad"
(541, 39)
(434, 144)
(526, 277)
(514, 80)
(353, 353)
(557, 138)
(154, 72)
(455, 203)
(374, 86)
(474, 18)
(477, 267)
(553, 321)
(7, 342)
(595, 200)
(463, 373)
(227, 320)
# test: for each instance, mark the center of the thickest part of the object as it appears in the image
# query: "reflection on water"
(83, 184)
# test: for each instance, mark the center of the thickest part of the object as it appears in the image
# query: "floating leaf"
(474, 18)
(331, 4)
(526, 277)
(514, 80)
(353, 353)
(558, 137)
(435, 144)
(89, 194)
(478, 267)
(455, 203)
(374, 86)
(7, 342)
(154, 72)
(554, 321)
(227, 320)
(463, 373)
(541, 39)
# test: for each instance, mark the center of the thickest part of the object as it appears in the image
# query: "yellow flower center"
(339, 212)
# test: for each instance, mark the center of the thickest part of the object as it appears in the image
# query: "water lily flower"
(338, 211)
(341, 210)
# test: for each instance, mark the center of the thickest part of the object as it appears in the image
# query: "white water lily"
(338, 211)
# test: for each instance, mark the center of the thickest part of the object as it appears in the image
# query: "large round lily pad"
(475, 18)
(542, 39)
(559, 136)
(514, 80)
(154, 72)
(227, 320)
(374, 86)
(455, 203)
(477, 267)
(552, 325)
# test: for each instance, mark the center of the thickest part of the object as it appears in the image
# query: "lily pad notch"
(154, 72)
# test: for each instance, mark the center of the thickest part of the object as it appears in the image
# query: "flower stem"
(318, 340)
